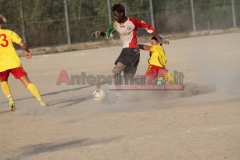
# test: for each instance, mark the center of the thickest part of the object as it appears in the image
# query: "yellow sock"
(170, 78)
(6, 90)
(33, 89)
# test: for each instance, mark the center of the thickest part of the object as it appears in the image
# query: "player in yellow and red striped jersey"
(156, 63)
(10, 63)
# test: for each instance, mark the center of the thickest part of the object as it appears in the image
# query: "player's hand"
(96, 34)
(28, 55)
(165, 41)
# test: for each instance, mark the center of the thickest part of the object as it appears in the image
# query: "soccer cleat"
(42, 103)
(12, 106)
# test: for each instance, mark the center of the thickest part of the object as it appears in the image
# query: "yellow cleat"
(12, 106)
(42, 103)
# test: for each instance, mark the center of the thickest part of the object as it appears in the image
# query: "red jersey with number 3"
(8, 56)
(128, 31)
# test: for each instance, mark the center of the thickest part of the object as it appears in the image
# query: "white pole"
(22, 22)
(125, 6)
(109, 12)
(233, 14)
(151, 12)
(208, 25)
(193, 16)
(67, 22)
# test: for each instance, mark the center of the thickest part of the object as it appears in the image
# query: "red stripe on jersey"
(133, 43)
(141, 24)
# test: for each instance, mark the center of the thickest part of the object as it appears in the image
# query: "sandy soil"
(200, 122)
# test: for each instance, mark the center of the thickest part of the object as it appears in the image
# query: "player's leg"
(161, 75)
(151, 75)
(19, 73)
(4, 84)
(125, 59)
(129, 75)
(7, 92)
(117, 70)
(6, 89)
(166, 75)
(120, 65)
(33, 89)
(128, 59)
(170, 78)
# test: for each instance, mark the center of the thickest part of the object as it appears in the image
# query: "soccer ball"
(99, 95)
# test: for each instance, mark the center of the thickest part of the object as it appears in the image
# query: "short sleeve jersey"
(157, 56)
(8, 56)
(128, 31)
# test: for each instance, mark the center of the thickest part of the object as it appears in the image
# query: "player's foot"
(42, 103)
(12, 106)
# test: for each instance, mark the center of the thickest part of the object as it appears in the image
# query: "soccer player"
(127, 28)
(10, 63)
(156, 63)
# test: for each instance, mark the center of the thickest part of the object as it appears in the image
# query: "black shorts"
(130, 58)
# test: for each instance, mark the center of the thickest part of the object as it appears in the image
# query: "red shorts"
(153, 72)
(16, 72)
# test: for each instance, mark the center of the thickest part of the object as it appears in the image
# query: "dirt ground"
(200, 122)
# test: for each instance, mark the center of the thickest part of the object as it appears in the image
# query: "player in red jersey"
(127, 28)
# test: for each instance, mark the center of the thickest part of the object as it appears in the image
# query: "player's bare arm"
(144, 47)
(25, 48)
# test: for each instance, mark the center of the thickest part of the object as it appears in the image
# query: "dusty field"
(200, 122)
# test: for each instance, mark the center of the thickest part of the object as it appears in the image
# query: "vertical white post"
(193, 16)
(233, 14)
(151, 12)
(109, 12)
(22, 22)
(67, 22)
(125, 6)
(208, 22)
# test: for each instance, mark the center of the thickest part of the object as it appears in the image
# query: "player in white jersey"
(127, 28)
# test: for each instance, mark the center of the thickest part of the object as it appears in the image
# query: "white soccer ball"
(99, 95)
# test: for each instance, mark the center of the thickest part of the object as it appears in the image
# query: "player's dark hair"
(154, 38)
(118, 8)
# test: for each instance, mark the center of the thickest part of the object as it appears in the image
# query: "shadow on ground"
(32, 150)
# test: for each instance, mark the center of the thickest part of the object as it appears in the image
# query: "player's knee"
(129, 76)
(25, 81)
(115, 71)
